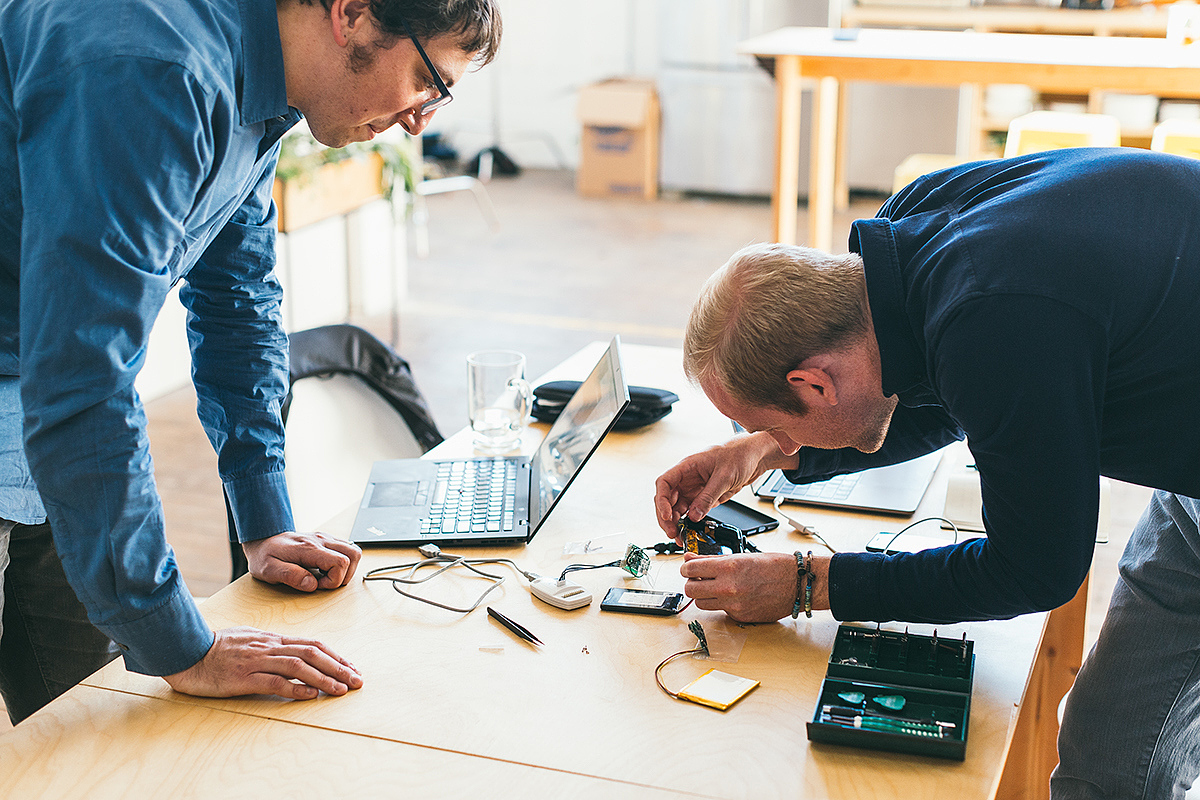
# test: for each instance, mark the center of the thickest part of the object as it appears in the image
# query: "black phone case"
(744, 518)
(646, 405)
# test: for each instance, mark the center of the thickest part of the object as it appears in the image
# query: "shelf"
(1135, 21)
(999, 126)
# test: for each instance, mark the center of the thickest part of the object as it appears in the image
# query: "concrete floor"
(560, 272)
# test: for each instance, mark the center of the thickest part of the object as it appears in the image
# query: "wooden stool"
(919, 164)
(1178, 136)
(1052, 130)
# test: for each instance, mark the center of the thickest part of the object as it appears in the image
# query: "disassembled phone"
(745, 519)
(711, 538)
(642, 601)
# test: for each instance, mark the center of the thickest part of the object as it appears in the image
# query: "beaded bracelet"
(798, 603)
(809, 578)
(804, 581)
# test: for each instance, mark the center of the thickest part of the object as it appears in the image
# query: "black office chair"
(352, 401)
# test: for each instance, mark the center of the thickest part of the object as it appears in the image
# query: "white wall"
(888, 123)
(168, 360)
(551, 49)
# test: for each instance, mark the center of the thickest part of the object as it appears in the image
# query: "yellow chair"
(1178, 136)
(1052, 130)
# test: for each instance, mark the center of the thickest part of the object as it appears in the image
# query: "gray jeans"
(47, 644)
(1131, 728)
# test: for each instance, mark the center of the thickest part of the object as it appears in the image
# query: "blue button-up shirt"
(138, 141)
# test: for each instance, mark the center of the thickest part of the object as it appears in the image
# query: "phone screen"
(642, 601)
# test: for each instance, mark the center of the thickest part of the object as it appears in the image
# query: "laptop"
(894, 489)
(492, 500)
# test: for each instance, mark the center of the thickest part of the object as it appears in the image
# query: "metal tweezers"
(516, 627)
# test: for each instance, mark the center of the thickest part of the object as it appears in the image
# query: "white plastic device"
(560, 594)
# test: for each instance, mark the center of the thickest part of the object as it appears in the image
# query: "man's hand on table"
(248, 661)
(293, 558)
(701, 481)
(751, 587)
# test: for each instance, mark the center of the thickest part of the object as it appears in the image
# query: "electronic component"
(718, 690)
(636, 561)
(642, 601)
(711, 538)
(701, 640)
(715, 689)
(560, 594)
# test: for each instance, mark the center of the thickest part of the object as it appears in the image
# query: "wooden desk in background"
(445, 714)
(1047, 62)
(1143, 20)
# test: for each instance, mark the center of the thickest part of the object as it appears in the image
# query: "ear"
(346, 17)
(813, 385)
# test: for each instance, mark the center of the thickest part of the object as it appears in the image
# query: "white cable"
(799, 526)
(449, 562)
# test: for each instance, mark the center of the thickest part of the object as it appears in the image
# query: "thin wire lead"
(799, 527)
(449, 562)
(701, 648)
(912, 525)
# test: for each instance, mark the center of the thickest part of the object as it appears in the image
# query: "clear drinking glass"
(498, 398)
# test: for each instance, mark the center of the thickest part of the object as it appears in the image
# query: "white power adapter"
(560, 594)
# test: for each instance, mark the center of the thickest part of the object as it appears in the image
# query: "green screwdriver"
(854, 717)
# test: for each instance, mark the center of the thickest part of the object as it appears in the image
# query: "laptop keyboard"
(836, 488)
(476, 496)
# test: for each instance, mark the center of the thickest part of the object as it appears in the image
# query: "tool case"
(898, 691)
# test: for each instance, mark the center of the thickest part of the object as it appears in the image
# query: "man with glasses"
(135, 155)
(1044, 307)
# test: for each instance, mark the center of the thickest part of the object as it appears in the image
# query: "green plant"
(300, 156)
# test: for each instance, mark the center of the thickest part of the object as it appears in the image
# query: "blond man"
(1046, 309)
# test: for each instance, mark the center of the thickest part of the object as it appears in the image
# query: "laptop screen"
(584, 421)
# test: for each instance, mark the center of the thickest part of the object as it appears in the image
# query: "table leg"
(787, 153)
(1033, 753)
(970, 121)
(840, 182)
(824, 165)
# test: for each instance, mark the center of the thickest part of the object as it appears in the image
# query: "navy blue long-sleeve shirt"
(1047, 308)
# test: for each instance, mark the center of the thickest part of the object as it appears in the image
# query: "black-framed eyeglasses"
(444, 96)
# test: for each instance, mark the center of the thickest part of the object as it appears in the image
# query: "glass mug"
(498, 398)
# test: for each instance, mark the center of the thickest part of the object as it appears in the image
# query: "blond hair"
(765, 312)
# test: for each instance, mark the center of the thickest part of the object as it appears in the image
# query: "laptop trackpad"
(393, 494)
(403, 483)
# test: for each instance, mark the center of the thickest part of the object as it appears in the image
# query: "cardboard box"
(619, 155)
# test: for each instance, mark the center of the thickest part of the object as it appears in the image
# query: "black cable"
(887, 551)
(577, 567)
